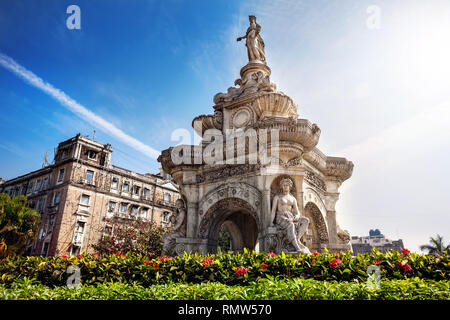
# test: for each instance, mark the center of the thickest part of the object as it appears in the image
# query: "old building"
(374, 240)
(81, 189)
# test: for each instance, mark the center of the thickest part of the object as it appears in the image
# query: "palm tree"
(436, 246)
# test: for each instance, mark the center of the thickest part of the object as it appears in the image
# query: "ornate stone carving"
(290, 225)
(224, 171)
(315, 180)
(343, 235)
(252, 82)
(236, 190)
(179, 229)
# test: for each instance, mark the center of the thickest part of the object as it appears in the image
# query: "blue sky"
(381, 96)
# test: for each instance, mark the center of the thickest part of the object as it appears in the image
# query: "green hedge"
(268, 289)
(226, 268)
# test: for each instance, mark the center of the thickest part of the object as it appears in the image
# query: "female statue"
(287, 217)
(179, 228)
(254, 43)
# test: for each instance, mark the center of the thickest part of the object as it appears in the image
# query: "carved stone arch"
(239, 190)
(318, 230)
(311, 195)
(245, 221)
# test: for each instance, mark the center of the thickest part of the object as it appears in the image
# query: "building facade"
(374, 240)
(81, 190)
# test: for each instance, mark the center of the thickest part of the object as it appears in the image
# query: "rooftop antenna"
(45, 161)
(93, 138)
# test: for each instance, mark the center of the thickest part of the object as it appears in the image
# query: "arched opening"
(317, 233)
(233, 217)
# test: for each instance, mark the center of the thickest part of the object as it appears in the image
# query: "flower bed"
(226, 268)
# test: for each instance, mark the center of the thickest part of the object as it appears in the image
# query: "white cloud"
(81, 111)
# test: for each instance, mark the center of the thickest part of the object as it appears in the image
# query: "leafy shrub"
(226, 268)
(268, 289)
(131, 236)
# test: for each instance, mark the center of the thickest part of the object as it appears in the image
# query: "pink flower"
(334, 263)
(241, 271)
(272, 254)
(264, 266)
(405, 251)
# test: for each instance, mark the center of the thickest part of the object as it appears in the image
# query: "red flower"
(241, 271)
(162, 259)
(334, 263)
(147, 261)
(64, 257)
(264, 266)
(405, 251)
(404, 265)
(207, 261)
(272, 254)
(377, 262)
(315, 253)
(80, 256)
(155, 265)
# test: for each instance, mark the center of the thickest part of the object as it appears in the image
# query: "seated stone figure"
(179, 229)
(288, 221)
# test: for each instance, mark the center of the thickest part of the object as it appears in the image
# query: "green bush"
(268, 289)
(226, 268)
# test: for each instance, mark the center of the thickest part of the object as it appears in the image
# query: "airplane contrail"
(81, 111)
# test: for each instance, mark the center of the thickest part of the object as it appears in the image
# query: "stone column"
(330, 203)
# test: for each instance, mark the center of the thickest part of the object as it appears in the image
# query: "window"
(126, 187)
(89, 176)
(65, 153)
(85, 199)
(166, 216)
(112, 206)
(92, 155)
(40, 204)
(45, 184)
(30, 187)
(146, 193)
(45, 249)
(38, 185)
(136, 190)
(167, 197)
(123, 207)
(144, 213)
(115, 183)
(61, 175)
(57, 196)
(79, 232)
(24, 189)
(134, 210)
